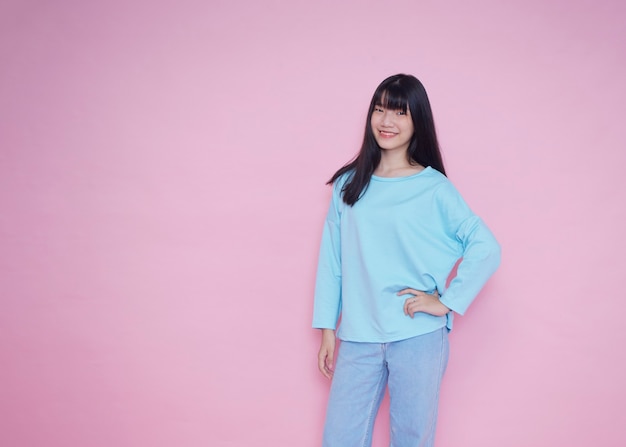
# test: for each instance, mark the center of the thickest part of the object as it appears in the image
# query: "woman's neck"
(396, 164)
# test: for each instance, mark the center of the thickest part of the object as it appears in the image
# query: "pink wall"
(162, 169)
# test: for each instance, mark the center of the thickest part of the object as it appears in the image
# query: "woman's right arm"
(327, 302)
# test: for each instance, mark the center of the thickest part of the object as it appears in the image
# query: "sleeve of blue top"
(481, 251)
(327, 303)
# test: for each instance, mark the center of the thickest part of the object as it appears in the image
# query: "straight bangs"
(392, 97)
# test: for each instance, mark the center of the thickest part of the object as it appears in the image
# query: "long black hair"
(397, 92)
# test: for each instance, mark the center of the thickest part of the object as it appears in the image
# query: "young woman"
(395, 229)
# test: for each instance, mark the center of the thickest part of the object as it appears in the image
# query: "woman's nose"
(387, 118)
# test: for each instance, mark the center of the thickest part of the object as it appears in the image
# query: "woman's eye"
(400, 112)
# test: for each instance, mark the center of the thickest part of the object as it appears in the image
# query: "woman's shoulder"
(435, 177)
(441, 185)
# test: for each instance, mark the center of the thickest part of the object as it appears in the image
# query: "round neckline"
(399, 179)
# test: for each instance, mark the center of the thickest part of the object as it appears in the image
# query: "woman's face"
(392, 129)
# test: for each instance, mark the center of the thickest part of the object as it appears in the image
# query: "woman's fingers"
(409, 304)
(326, 355)
(408, 301)
(420, 301)
(412, 306)
(411, 291)
(322, 364)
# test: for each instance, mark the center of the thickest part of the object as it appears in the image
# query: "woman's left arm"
(481, 251)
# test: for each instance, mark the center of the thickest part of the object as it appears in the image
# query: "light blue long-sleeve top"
(404, 232)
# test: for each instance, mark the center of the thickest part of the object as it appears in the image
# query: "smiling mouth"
(383, 133)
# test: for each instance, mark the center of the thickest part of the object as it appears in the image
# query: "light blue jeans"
(412, 368)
